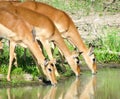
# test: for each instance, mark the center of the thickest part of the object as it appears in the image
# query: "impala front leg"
(47, 47)
(58, 40)
(1, 47)
(11, 55)
(73, 36)
(15, 62)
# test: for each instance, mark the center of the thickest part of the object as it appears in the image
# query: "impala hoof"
(77, 75)
(8, 79)
(55, 84)
(94, 73)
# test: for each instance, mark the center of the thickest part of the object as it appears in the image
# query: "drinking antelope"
(66, 27)
(45, 31)
(19, 31)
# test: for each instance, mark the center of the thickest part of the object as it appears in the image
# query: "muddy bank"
(91, 27)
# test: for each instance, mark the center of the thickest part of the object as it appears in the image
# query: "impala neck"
(36, 51)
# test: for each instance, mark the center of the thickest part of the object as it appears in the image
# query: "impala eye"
(94, 59)
(49, 70)
(77, 60)
(52, 64)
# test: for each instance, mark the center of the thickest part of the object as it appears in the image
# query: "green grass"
(85, 6)
(108, 45)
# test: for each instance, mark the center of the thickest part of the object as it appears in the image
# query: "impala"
(67, 28)
(45, 31)
(1, 45)
(19, 31)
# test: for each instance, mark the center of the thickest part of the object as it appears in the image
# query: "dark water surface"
(105, 85)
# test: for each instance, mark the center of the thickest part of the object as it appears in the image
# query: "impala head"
(49, 69)
(91, 60)
(75, 55)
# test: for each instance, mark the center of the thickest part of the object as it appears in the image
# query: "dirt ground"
(90, 26)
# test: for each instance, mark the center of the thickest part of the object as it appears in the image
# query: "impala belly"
(5, 32)
(41, 32)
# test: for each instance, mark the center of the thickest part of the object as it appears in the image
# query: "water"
(105, 85)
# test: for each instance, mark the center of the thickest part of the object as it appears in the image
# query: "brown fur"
(18, 31)
(52, 33)
(65, 25)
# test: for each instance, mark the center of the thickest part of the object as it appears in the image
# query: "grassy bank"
(108, 45)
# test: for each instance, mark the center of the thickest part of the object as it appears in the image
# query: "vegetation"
(85, 6)
(108, 45)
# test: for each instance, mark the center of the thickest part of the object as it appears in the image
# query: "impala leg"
(11, 54)
(9, 93)
(15, 63)
(1, 45)
(87, 55)
(47, 47)
(67, 53)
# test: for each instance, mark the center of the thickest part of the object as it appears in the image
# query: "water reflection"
(49, 95)
(9, 95)
(73, 90)
(78, 88)
(89, 89)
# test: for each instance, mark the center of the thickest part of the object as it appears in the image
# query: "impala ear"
(34, 33)
(80, 53)
(76, 54)
(46, 61)
(91, 49)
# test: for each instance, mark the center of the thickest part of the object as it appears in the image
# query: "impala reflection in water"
(70, 89)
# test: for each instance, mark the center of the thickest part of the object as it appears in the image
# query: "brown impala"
(45, 31)
(67, 28)
(18, 31)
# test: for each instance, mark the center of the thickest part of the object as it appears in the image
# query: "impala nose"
(54, 84)
(94, 73)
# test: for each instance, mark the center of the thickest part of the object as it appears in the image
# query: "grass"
(108, 45)
(85, 6)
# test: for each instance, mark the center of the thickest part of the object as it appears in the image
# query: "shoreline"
(24, 83)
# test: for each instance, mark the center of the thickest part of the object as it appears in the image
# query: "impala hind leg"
(1, 49)
(11, 55)
(1, 45)
(15, 58)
